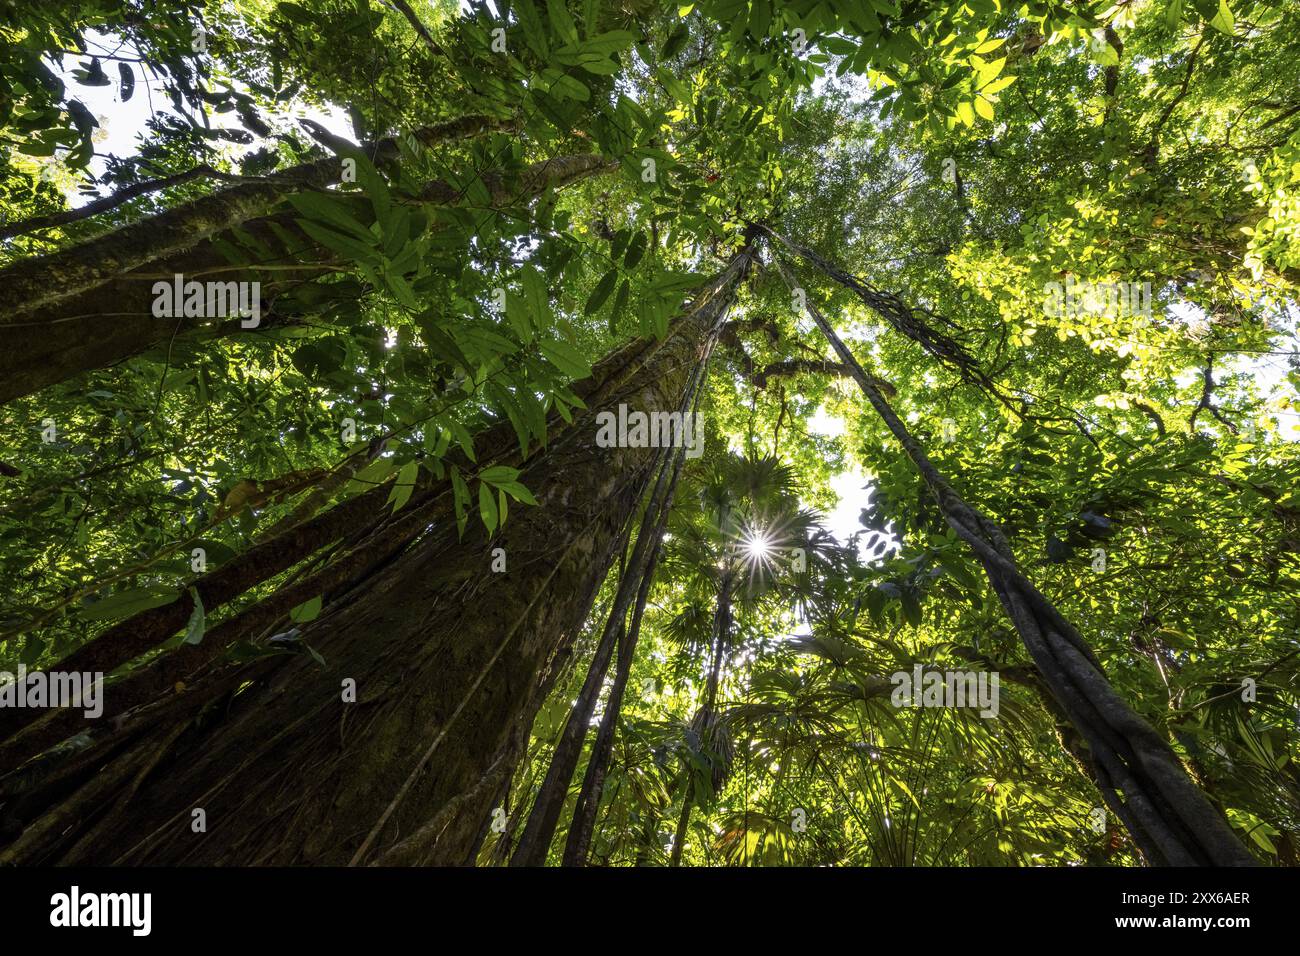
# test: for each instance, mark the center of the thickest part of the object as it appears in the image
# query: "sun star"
(757, 546)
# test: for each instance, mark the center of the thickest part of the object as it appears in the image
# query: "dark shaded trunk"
(540, 826)
(1138, 774)
(584, 811)
(704, 719)
(549, 805)
(527, 772)
(578, 842)
(496, 781)
(444, 653)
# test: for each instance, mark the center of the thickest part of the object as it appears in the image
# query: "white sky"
(122, 126)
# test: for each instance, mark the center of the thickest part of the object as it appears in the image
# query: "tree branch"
(1207, 389)
(108, 203)
(405, 10)
(1154, 144)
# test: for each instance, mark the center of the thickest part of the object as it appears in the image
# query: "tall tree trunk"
(443, 652)
(111, 317)
(704, 719)
(1138, 774)
(578, 842)
(584, 811)
(922, 326)
(540, 830)
(535, 841)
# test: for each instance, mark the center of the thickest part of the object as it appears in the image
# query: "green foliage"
(436, 319)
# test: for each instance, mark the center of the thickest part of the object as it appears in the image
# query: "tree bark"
(34, 284)
(578, 841)
(443, 653)
(55, 336)
(547, 808)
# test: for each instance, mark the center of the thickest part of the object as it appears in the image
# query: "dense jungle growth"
(616, 433)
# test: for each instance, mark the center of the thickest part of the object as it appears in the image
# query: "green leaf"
(603, 288)
(620, 302)
(126, 603)
(635, 250)
(566, 358)
(488, 344)
(1223, 20)
(620, 243)
(401, 290)
(442, 344)
(297, 13)
(600, 66)
(517, 491)
(535, 295)
(339, 243)
(518, 314)
(570, 88)
(676, 89)
(373, 474)
(675, 42)
(676, 281)
(306, 611)
(331, 211)
(986, 72)
(498, 474)
(487, 507)
(463, 439)
(403, 486)
(1261, 838)
(610, 42)
(197, 623)
(397, 234)
(373, 184)
(531, 22)
(562, 21)
(898, 782)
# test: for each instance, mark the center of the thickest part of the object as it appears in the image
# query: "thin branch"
(1154, 144)
(1207, 389)
(107, 203)
(1152, 414)
(405, 10)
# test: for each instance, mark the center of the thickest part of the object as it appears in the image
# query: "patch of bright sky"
(1267, 372)
(123, 126)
